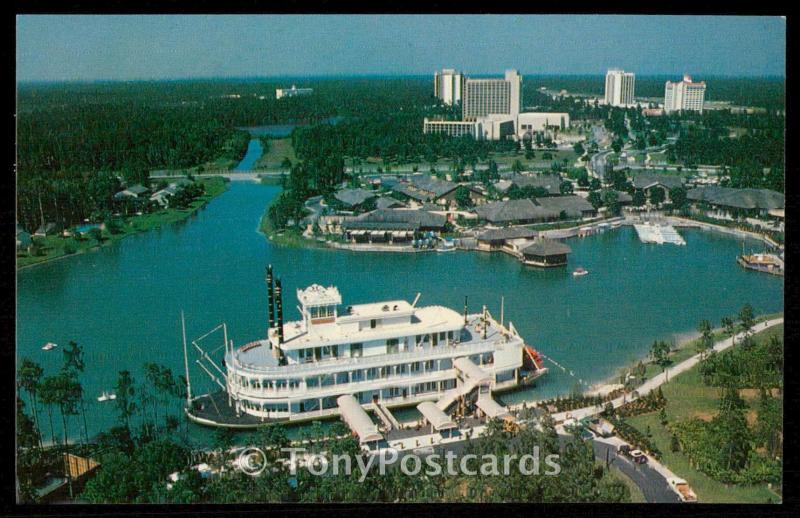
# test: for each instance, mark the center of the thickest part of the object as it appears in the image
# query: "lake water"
(122, 303)
(254, 151)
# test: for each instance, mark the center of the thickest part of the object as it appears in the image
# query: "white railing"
(333, 366)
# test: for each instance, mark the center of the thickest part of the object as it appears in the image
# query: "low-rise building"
(728, 202)
(546, 253)
(496, 238)
(24, 240)
(133, 192)
(46, 229)
(529, 123)
(392, 225)
(473, 129)
(354, 198)
(280, 93)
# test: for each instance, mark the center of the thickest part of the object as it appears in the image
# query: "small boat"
(105, 396)
(447, 246)
(579, 272)
(49, 346)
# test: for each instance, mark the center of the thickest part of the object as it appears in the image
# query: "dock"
(659, 234)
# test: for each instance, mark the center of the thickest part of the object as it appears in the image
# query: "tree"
(463, 198)
(517, 166)
(706, 340)
(729, 326)
(565, 187)
(660, 353)
(73, 365)
(578, 148)
(610, 200)
(29, 377)
(595, 199)
(747, 318)
(125, 391)
(677, 196)
(638, 198)
(594, 184)
(657, 195)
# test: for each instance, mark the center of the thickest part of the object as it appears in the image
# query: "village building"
(354, 198)
(546, 253)
(730, 203)
(392, 226)
(496, 238)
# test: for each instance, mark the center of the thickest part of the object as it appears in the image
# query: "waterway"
(122, 303)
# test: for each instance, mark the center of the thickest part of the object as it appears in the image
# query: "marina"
(658, 233)
(139, 320)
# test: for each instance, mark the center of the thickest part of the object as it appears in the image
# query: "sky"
(132, 47)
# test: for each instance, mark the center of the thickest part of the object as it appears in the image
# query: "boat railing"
(355, 385)
(368, 361)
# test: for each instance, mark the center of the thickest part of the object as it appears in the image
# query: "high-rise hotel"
(493, 96)
(619, 88)
(684, 95)
(448, 85)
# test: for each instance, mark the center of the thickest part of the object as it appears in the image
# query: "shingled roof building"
(546, 253)
(496, 238)
(526, 211)
(730, 202)
(353, 198)
(391, 225)
(425, 188)
(549, 182)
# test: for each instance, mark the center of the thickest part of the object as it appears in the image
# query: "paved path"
(660, 379)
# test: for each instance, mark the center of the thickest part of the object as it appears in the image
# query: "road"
(650, 480)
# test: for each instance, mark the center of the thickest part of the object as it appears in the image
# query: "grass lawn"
(278, 149)
(687, 397)
(55, 247)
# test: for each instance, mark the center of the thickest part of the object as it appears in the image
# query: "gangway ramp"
(357, 419)
(436, 417)
(492, 408)
(386, 416)
(473, 376)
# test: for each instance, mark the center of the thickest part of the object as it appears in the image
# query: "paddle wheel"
(532, 359)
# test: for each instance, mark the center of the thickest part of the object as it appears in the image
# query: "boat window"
(373, 323)
(392, 346)
(356, 350)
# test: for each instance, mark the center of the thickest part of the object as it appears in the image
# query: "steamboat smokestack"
(465, 310)
(271, 300)
(279, 302)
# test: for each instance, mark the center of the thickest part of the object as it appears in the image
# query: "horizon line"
(367, 76)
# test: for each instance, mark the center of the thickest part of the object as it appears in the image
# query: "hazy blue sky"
(154, 47)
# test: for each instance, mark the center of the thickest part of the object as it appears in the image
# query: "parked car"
(638, 457)
(624, 449)
(681, 487)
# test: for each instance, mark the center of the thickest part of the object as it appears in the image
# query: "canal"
(122, 303)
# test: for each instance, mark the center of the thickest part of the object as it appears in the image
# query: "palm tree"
(49, 397)
(706, 340)
(73, 363)
(125, 394)
(30, 378)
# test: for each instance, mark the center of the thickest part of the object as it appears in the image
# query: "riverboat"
(340, 360)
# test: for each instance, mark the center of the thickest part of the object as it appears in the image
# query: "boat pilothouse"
(390, 353)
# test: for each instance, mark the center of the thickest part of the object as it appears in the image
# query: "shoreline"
(115, 239)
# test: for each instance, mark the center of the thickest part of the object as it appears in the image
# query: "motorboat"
(579, 272)
(106, 396)
(49, 346)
